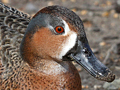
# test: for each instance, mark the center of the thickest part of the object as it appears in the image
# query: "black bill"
(84, 56)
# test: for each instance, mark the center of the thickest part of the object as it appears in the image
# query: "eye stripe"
(67, 29)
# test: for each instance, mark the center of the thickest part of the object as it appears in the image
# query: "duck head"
(56, 33)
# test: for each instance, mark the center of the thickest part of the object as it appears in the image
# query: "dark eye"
(59, 29)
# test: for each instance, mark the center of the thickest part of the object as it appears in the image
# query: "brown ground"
(102, 25)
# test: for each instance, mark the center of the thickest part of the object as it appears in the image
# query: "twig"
(94, 8)
(108, 54)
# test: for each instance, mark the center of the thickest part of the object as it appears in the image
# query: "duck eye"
(59, 29)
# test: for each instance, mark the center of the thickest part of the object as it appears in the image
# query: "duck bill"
(84, 56)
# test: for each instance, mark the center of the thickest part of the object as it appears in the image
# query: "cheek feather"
(70, 40)
(48, 45)
(68, 44)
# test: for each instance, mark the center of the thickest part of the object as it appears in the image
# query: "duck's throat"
(51, 67)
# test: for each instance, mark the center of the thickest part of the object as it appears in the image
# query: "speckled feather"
(13, 24)
(15, 73)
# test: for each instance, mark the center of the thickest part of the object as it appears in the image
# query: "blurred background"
(101, 20)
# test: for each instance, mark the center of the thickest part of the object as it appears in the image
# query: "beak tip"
(109, 78)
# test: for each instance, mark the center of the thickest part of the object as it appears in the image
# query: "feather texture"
(13, 24)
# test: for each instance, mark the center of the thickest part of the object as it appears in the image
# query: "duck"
(37, 52)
